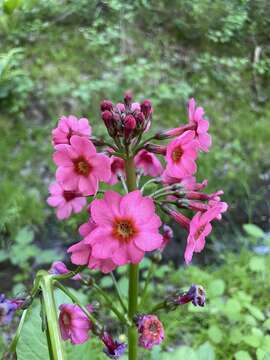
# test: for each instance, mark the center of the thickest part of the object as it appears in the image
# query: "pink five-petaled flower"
(195, 117)
(80, 166)
(200, 227)
(181, 154)
(81, 252)
(148, 163)
(66, 201)
(151, 331)
(69, 126)
(127, 226)
(74, 324)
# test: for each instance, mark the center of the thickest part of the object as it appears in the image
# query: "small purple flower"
(196, 294)
(8, 308)
(59, 268)
(151, 331)
(113, 349)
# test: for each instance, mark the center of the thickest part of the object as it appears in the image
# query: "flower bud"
(106, 105)
(168, 134)
(108, 119)
(120, 107)
(129, 125)
(128, 98)
(177, 216)
(156, 149)
(146, 107)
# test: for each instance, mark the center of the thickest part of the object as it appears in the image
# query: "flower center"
(66, 319)
(82, 167)
(124, 229)
(199, 232)
(153, 329)
(69, 195)
(177, 154)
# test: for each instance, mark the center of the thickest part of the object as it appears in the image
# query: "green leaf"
(242, 355)
(257, 264)
(184, 352)
(206, 352)
(10, 5)
(24, 236)
(216, 288)
(262, 354)
(256, 312)
(253, 230)
(215, 334)
(33, 343)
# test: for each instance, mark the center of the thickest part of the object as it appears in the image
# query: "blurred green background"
(61, 57)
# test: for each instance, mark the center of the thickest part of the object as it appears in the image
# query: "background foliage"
(60, 57)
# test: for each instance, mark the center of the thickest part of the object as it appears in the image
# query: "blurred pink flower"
(74, 324)
(151, 331)
(195, 116)
(181, 154)
(69, 126)
(80, 166)
(148, 163)
(167, 236)
(127, 226)
(66, 201)
(200, 227)
(117, 168)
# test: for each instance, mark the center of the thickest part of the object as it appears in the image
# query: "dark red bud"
(140, 119)
(146, 107)
(106, 105)
(129, 124)
(128, 97)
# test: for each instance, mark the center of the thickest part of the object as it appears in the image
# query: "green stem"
(13, 345)
(147, 280)
(159, 306)
(133, 276)
(52, 318)
(119, 295)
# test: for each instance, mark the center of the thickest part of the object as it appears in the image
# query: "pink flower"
(59, 268)
(66, 201)
(199, 228)
(195, 294)
(181, 154)
(195, 116)
(117, 168)
(69, 126)
(81, 252)
(74, 324)
(151, 331)
(127, 226)
(80, 166)
(148, 163)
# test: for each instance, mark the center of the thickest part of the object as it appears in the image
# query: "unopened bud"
(156, 149)
(129, 125)
(128, 98)
(146, 107)
(106, 105)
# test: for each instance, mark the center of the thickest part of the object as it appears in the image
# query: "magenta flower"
(80, 166)
(148, 163)
(69, 126)
(181, 154)
(81, 252)
(151, 331)
(200, 227)
(117, 169)
(66, 201)
(195, 116)
(74, 324)
(113, 349)
(59, 268)
(127, 226)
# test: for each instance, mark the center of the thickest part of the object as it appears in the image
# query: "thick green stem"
(52, 318)
(133, 276)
